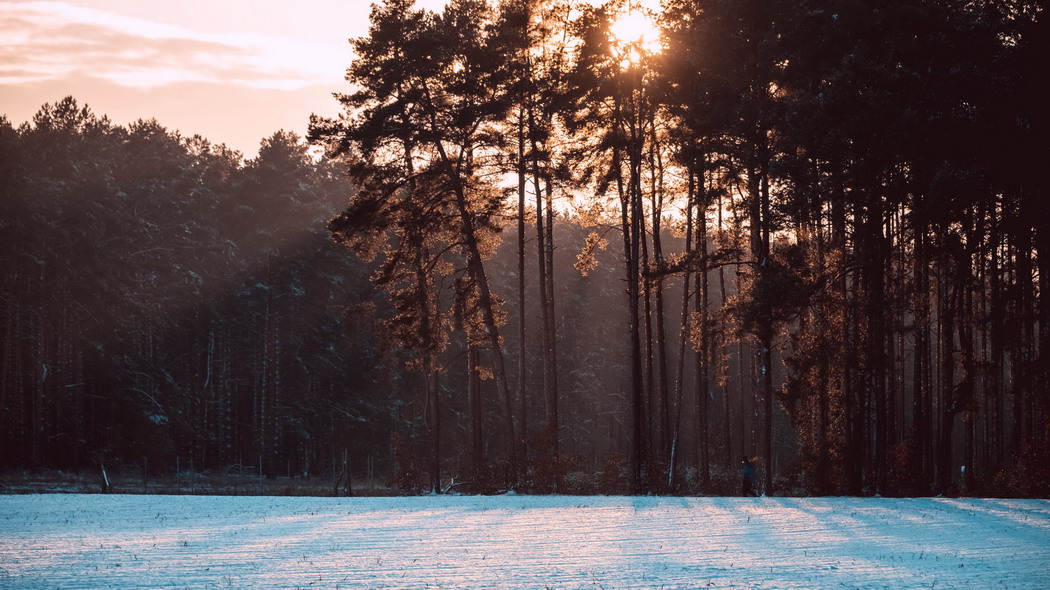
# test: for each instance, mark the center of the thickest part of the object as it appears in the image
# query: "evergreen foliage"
(833, 256)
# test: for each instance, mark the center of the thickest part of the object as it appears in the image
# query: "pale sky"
(233, 71)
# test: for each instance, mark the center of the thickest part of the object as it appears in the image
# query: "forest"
(556, 246)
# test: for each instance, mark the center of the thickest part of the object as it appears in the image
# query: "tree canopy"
(811, 232)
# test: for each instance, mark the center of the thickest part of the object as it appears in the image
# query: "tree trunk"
(703, 349)
(550, 336)
(875, 273)
(703, 438)
(684, 338)
(663, 418)
(474, 405)
(522, 397)
(760, 217)
(719, 345)
(476, 269)
(921, 391)
(629, 231)
(545, 268)
(946, 341)
(432, 406)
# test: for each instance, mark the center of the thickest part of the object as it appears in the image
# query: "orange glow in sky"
(234, 71)
(636, 33)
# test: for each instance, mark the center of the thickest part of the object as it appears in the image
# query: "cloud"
(238, 116)
(48, 41)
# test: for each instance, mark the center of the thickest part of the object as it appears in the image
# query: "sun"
(636, 34)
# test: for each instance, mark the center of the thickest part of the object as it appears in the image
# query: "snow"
(127, 541)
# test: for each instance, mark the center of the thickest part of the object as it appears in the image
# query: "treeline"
(865, 229)
(812, 233)
(164, 301)
(166, 304)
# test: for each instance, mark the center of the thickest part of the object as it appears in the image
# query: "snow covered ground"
(123, 541)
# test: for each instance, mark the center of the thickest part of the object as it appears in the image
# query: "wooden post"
(105, 478)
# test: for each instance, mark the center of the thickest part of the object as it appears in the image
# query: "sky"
(233, 71)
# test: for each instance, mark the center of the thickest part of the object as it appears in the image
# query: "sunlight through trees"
(613, 247)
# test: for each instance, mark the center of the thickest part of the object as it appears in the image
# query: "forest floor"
(132, 480)
(127, 541)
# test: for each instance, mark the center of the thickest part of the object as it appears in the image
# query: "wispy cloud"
(45, 41)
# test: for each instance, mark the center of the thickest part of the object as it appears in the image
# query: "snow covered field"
(94, 541)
